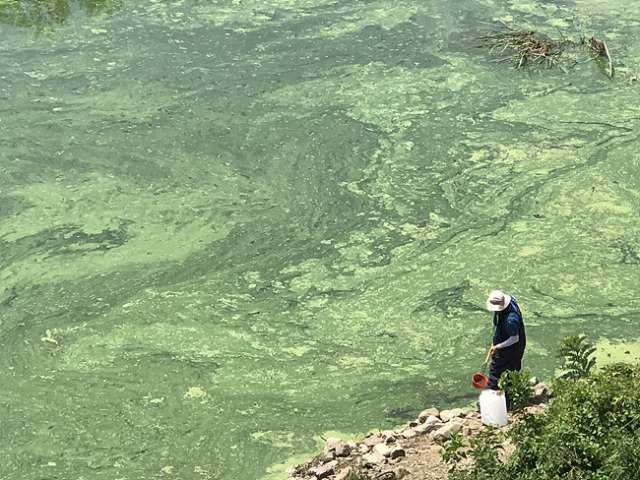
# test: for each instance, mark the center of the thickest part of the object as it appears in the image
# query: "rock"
(362, 448)
(296, 470)
(447, 415)
(343, 450)
(409, 433)
(432, 419)
(398, 452)
(325, 470)
(446, 431)
(327, 456)
(533, 381)
(373, 439)
(401, 472)
(426, 428)
(344, 473)
(542, 390)
(382, 449)
(386, 475)
(373, 459)
(331, 444)
(329, 452)
(428, 413)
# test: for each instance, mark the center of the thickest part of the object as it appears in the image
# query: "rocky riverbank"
(410, 452)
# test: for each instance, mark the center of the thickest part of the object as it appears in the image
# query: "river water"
(230, 228)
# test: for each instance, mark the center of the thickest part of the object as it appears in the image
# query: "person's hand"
(493, 350)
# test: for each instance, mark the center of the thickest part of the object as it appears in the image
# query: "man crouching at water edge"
(509, 339)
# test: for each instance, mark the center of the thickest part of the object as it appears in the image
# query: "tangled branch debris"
(600, 48)
(528, 46)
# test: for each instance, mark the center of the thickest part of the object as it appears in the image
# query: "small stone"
(409, 433)
(327, 456)
(331, 444)
(445, 432)
(541, 390)
(432, 419)
(383, 449)
(398, 452)
(387, 475)
(373, 439)
(447, 415)
(402, 472)
(373, 458)
(426, 428)
(427, 413)
(343, 449)
(326, 470)
(533, 381)
(297, 469)
(344, 473)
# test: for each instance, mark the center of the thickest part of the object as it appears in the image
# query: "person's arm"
(509, 341)
(513, 339)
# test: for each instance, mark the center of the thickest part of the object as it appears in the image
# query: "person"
(509, 339)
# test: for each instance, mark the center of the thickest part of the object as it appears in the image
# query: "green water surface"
(229, 227)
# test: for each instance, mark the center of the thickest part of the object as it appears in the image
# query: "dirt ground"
(420, 456)
(423, 460)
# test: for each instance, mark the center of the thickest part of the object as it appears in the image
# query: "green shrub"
(588, 432)
(516, 386)
(575, 350)
(451, 450)
(485, 448)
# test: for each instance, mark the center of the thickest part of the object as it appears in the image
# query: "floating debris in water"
(601, 50)
(529, 46)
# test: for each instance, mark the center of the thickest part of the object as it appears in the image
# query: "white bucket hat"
(497, 301)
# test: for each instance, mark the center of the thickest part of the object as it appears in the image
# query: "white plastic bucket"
(493, 408)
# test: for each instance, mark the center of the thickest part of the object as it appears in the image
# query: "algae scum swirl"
(228, 228)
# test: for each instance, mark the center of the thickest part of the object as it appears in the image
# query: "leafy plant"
(576, 352)
(588, 432)
(451, 450)
(516, 386)
(485, 448)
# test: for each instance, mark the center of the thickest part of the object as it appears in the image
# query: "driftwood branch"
(600, 48)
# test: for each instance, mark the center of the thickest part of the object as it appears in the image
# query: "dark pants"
(509, 358)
